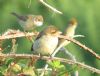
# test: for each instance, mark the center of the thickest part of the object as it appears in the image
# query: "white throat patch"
(38, 23)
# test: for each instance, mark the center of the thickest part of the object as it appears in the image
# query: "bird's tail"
(15, 14)
(32, 48)
(24, 18)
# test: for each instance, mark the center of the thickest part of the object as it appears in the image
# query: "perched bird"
(69, 32)
(46, 41)
(29, 22)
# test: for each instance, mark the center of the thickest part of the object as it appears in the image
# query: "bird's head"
(37, 19)
(73, 22)
(52, 30)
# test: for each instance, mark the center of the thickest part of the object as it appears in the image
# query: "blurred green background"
(87, 13)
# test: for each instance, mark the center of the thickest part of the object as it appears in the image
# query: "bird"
(46, 41)
(29, 22)
(69, 32)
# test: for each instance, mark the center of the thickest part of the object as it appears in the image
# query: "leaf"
(29, 71)
(16, 67)
(8, 61)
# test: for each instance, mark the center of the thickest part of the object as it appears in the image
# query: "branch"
(50, 7)
(67, 54)
(81, 45)
(16, 33)
(27, 56)
(9, 34)
(29, 3)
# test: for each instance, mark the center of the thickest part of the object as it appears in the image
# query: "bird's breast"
(45, 45)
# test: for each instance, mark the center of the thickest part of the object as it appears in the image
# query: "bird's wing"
(32, 48)
(40, 34)
(23, 18)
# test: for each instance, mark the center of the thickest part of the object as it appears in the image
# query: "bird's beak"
(38, 23)
(59, 32)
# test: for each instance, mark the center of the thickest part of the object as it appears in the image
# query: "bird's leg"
(40, 56)
(32, 61)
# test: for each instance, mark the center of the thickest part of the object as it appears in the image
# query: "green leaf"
(1, 74)
(29, 71)
(16, 68)
(8, 61)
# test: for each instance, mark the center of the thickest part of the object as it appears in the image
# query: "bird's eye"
(53, 31)
(38, 19)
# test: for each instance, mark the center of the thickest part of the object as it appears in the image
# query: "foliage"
(87, 13)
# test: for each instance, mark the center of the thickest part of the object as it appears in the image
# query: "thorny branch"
(16, 33)
(81, 45)
(27, 56)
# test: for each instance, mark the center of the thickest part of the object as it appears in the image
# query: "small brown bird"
(70, 32)
(29, 22)
(47, 41)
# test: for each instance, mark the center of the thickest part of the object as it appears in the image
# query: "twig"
(81, 45)
(50, 7)
(78, 36)
(14, 46)
(29, 3)
(16, 34)
(27, 56)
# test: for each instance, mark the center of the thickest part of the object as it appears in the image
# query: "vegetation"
(87, 13)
